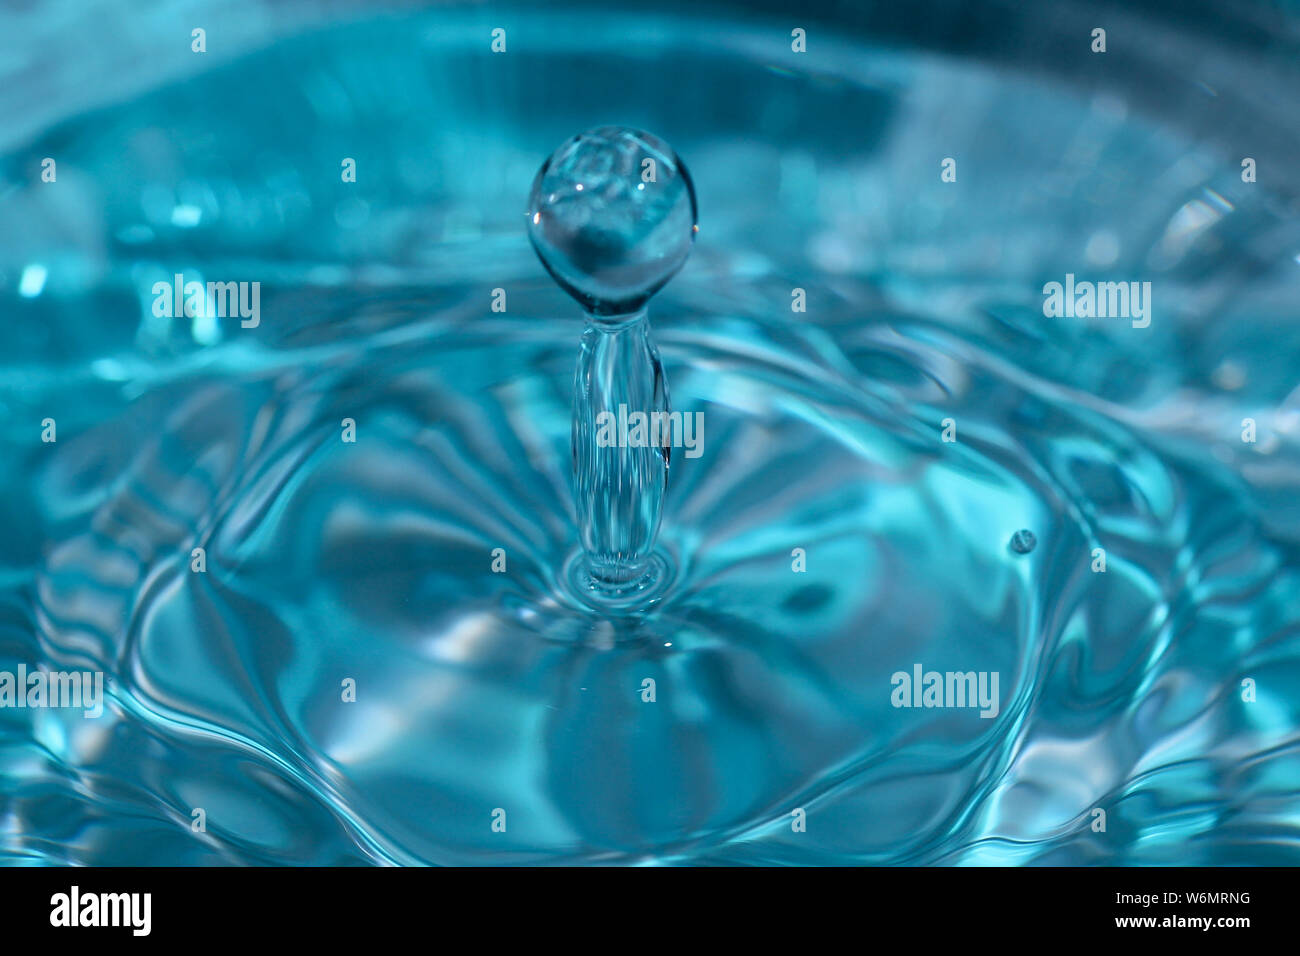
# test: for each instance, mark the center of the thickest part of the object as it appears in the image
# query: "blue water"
(370, 561)
(612, 215)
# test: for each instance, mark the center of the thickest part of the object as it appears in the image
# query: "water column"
(612, 216)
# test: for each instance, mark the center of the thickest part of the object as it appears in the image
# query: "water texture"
(370, 561)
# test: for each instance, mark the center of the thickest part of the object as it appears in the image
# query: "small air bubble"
(1023, 541)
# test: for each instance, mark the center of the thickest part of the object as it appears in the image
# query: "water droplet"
(1023, 541)
(612, 217)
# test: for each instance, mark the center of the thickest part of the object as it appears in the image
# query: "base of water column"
(636, 594)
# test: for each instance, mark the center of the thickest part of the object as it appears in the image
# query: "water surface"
(371, 560)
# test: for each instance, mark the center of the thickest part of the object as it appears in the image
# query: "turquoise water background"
(370, 561)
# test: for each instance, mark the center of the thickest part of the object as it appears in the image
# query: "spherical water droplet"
(612, 217)
(1023, 541)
